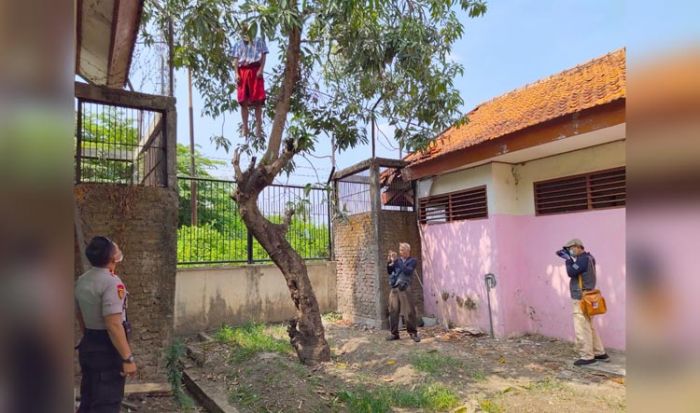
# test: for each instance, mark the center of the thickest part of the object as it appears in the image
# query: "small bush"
(332, 317)
(173, 354)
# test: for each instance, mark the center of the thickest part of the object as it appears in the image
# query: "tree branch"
(281, 162)
(236, 162)
(284, 226)
(291, 75)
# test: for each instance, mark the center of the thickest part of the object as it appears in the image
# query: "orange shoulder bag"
(592, 302)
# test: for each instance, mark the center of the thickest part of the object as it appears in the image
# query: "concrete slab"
(212, 398)
(617, 366)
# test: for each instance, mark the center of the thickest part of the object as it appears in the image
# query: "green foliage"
(434, 363)
(250, 339)
(173, 354)
(433, 397)
(396, 52)
(227, 241)
(202, 164)
(221, 234)
(106, 133)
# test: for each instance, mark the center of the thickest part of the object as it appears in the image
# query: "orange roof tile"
(585, 86)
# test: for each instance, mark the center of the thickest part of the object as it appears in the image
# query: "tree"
(339, 58)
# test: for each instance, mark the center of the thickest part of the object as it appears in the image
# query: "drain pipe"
(490, 284)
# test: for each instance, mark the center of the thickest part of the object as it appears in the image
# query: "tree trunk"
(306, 331)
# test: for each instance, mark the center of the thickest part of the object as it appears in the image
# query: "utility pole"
(162, 75)
(374, 127)
(333, 151)
(193, 182)
(374, 138)
(171, 51)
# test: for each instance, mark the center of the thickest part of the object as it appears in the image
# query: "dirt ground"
(154, 404)
(525, 374)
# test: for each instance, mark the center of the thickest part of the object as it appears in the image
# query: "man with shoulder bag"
(586, 302)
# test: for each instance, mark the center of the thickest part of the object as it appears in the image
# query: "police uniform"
(99, 293)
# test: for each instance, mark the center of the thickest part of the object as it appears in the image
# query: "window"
(596, 190)
(455, 206)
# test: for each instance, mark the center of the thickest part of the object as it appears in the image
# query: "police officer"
(104, 352)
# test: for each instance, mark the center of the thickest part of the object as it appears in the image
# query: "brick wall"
(143, 221)
(396, 227)
(362, 291)
(355, 253)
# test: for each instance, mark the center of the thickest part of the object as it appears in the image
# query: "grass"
(243, 396)
(433, 397)
(547, 384)
(332, 317)
(489, 406)
(478, 375)
(434, 363)
(252, 338)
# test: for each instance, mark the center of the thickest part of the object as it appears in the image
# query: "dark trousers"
(102, 385)
(401, 303)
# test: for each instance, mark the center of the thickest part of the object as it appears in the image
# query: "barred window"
(596, 190)
(454, 206)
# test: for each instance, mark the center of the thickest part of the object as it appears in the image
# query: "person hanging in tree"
(249, 64)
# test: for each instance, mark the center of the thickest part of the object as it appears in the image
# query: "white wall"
(510, 187)
(206, 298)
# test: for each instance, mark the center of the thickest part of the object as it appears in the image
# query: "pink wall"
(532, 293)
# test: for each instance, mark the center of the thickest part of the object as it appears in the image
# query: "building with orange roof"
(501, 193)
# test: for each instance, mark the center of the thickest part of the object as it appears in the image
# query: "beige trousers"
(587, 342)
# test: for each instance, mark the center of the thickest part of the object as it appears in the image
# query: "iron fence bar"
(249, 237)
(242, 262)
(330, 231)
(79, 143)
(232, 181)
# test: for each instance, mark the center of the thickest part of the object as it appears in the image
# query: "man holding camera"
(581, 264)
(400, 271)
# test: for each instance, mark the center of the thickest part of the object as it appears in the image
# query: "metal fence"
(354, 192)
(119, 145)
(216, 234)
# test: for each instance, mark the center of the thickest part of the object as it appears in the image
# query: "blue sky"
(515, 43)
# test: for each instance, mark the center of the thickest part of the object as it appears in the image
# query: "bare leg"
(258, 120)
(244, 115)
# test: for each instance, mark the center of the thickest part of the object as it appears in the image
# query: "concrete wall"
(206, 298)
(518, 247)
(143, 221)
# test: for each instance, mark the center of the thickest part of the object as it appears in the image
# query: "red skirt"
(251, 88)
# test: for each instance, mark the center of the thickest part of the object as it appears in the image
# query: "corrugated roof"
(591, 84)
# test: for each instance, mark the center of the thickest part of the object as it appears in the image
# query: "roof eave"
(602, 116)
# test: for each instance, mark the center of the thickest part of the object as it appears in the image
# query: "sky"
(515, 43)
